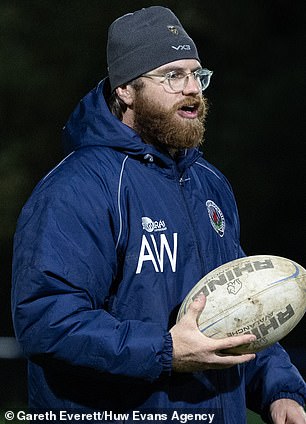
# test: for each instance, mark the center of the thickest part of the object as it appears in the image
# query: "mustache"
(197, 102)
(189, 101)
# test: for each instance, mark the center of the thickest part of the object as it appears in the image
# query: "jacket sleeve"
(272, 376)
(64, 263)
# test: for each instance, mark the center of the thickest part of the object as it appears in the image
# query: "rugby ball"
(263, 295)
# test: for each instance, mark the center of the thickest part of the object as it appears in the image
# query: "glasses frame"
(197, 74)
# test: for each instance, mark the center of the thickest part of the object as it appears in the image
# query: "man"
(113, 239)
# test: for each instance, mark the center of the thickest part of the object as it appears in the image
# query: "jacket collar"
(92, 124)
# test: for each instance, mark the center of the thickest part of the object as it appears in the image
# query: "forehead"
(183, 64)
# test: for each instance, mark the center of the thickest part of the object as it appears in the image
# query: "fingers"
(234, 341)
(228, 361)
(222, 356)
(196, 307)
(287, 411)
(193, 313)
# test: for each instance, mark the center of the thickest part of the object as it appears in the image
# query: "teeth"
(188, 108)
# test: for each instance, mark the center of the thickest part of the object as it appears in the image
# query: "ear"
(126, 94)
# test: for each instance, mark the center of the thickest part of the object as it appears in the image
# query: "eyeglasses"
(178, 80)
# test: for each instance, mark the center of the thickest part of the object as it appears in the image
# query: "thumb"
(196, 307)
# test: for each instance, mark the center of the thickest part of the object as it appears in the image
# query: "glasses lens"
(176, 82)
(203, 76)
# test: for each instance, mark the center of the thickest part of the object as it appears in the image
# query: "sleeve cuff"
(286, 395)
(166, 357)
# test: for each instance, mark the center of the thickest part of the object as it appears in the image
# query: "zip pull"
(148, 158)
(182, 180)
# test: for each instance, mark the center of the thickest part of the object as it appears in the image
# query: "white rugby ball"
(264, 295)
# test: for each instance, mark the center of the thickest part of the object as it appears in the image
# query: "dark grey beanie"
(144, 40)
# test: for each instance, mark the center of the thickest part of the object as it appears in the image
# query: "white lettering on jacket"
(151, 252)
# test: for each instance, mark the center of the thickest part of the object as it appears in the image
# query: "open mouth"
(189, 111)
(190, 108)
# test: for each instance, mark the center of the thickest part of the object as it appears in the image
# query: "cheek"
(159, 98)
(169, 102)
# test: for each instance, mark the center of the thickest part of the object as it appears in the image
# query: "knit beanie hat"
(144, 40)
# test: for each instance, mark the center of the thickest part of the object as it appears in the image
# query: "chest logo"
(150, 226)
(216, 217)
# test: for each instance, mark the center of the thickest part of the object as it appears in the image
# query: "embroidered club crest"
(216, 217)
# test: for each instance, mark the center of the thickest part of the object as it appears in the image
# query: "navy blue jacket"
(106, 249)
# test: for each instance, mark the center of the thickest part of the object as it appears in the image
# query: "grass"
(254, 418)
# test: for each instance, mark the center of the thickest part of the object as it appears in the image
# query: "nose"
(192, 85)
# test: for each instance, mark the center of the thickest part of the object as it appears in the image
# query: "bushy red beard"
(164, 128)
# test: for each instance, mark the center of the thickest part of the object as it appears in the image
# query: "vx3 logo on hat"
(182, 47)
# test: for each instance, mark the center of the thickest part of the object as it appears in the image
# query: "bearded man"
(115, 236)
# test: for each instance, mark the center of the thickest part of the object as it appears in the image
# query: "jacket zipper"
(182, 182)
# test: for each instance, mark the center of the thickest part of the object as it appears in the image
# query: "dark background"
(53, 52)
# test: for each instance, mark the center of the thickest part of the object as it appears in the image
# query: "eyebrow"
(169, 68)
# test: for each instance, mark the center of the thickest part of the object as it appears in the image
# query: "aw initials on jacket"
(157, 250)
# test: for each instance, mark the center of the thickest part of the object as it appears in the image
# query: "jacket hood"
(93, 124)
